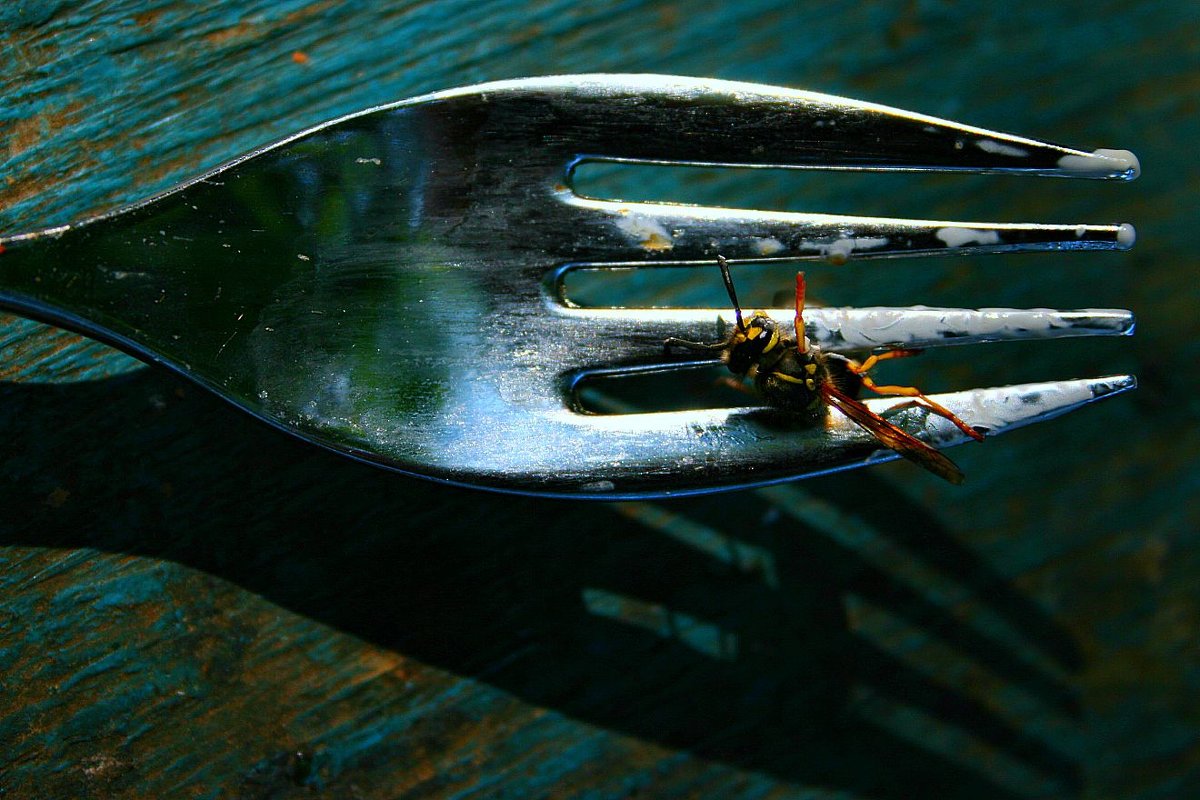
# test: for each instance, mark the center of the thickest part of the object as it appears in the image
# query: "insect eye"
(742, 357)
(760, 327)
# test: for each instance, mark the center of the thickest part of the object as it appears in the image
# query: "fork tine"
(768, 452)
(624, 338)
(613, 233)
(666, 119)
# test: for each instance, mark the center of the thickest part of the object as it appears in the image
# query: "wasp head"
(749, 345)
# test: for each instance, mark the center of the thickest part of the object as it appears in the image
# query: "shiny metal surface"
(389, 285)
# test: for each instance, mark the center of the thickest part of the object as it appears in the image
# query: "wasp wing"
(897, 439)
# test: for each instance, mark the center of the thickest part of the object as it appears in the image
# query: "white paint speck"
(303, 257)
(1001, 149)
(960, 237)
(767, 245)
(374, 161)
(647, 232)
(839, 250)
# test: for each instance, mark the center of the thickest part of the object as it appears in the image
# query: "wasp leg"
(738, 384)
(877, 357)
(890, 410)
(921, 400)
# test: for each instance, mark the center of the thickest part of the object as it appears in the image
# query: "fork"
(389, 285)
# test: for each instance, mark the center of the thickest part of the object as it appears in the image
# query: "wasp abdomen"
(793, 383)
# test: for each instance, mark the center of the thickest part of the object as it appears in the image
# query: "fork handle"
(117, 282)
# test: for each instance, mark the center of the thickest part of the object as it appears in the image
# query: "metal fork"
(389, 285)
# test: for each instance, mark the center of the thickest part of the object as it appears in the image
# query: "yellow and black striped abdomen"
(794, 382)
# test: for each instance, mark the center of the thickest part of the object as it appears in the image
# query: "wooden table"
(192, 605)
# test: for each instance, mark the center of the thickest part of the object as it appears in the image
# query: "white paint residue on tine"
(646, 231)
(960, 237)
(1001, 149)
(840, 250)
(996, 411)
(1102, 162)
(767, 245)
(921, 326)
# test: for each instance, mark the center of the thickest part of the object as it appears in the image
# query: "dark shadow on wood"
(493, 587)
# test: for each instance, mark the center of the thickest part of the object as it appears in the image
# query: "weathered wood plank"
(193, 605)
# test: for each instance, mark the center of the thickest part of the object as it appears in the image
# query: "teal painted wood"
(191, 605)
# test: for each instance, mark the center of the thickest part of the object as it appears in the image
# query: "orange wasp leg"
(908, 391)
(866, 366)
(730, 382)
(922, 400)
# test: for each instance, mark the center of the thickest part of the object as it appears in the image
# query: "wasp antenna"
(801, 339)
(737, 308)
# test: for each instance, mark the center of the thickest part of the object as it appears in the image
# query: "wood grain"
(194, 606)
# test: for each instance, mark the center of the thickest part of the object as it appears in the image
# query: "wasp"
(796, 376)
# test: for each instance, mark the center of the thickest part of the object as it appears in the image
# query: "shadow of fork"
(632, 621)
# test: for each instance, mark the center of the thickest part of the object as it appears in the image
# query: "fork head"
(390, 284)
